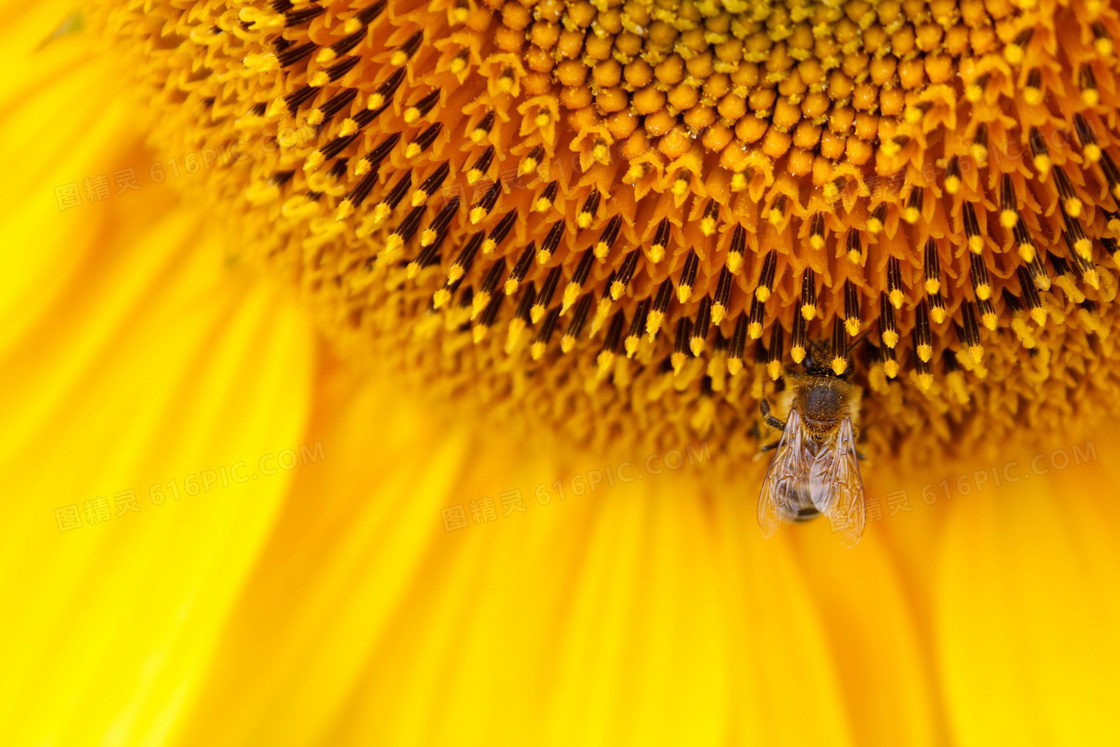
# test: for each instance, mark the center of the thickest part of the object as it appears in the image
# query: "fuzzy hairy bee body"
(815, 469)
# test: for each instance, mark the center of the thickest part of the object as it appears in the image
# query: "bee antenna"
(855, 344)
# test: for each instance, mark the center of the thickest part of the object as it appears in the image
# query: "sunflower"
(388, 372)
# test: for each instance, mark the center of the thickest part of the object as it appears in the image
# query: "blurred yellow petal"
(1028, 605)
(632, 607)
(135, 359)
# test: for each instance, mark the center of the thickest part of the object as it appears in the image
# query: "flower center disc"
(625, 218)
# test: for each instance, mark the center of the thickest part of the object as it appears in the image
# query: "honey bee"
(815, 469)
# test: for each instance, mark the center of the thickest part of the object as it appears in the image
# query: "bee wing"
(836, 487)
(789, 467)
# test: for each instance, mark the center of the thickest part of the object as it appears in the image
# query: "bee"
(815, 469)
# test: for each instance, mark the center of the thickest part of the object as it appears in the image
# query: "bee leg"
(860, 456)
(771, 421)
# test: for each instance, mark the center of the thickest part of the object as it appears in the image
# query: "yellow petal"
(143, 357)
(1027, 611)
(631, 605)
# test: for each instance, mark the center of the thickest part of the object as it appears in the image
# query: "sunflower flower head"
(626, 218)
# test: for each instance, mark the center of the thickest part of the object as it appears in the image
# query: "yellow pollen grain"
(601, 312)
(314, 161)
(604, 363)
(571, 295)
(394, 245)
(528, 166)
(653, 324)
